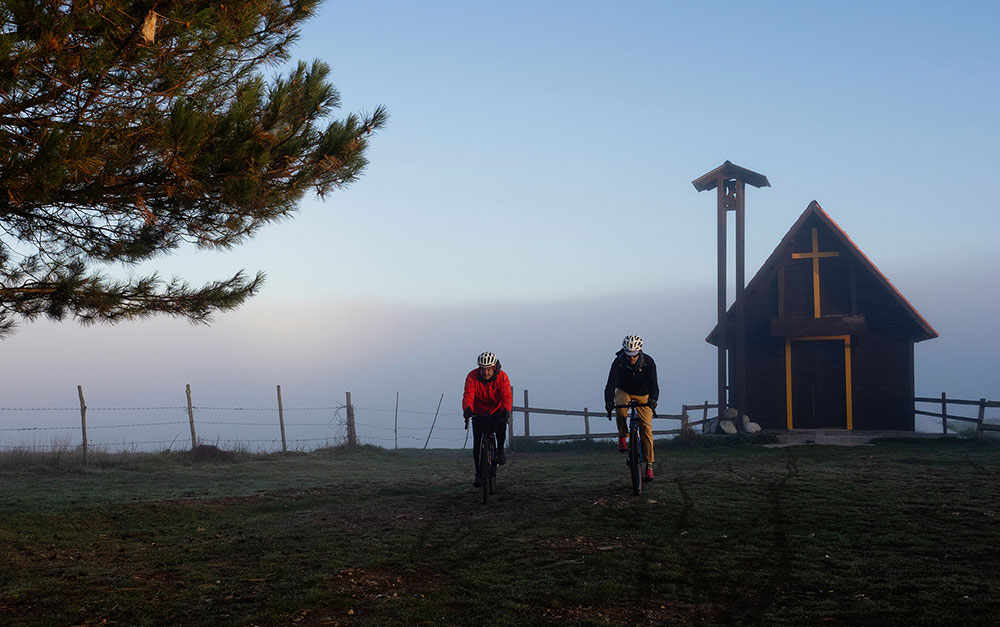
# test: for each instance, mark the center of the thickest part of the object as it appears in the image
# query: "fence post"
(586, 422)
(944, 414)
(510, 424)
(684, 418)
(194, 438)
(982, 416)
(395, 424)
(83, 421)
(281, 421)
(435, 420)
(527, 423)
(352, 434)
(704, 417)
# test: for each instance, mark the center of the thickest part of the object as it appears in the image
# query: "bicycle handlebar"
(634, 404)
(474, 417)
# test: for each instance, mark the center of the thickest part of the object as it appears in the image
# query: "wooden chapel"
(828, 339)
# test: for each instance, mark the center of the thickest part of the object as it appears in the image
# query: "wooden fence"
(944, 401)
(687, 423)
(688, 418)
(684, 417)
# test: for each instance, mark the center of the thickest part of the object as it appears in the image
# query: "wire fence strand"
(391, 427)
(215, 429)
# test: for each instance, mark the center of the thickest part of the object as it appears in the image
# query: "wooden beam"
(933, 414)
(847, 375)
(740, 366)
(825, 326)
(788, 383)
(781, 292)
(729, 170)
(721, 294)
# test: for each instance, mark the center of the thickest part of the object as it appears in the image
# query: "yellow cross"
(815, 255)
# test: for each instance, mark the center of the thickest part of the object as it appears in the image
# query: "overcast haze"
(532, 196)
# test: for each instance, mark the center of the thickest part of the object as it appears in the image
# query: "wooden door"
(818, 373)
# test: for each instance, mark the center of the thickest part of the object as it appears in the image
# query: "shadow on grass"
(683, 441)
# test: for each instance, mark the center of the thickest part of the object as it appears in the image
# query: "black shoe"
(501, 459)
(477, 483)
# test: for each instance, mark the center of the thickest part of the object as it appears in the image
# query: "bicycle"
(488, 458)
(634, 458)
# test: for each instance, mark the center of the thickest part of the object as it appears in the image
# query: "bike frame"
(634, 458)
(488, 456)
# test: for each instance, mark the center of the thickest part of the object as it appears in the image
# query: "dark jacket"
(637, 380)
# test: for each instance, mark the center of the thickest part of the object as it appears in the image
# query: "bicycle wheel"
(493, 468)
(634, 456)
(486, 463)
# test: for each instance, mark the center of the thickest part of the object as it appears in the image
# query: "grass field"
(899, 533)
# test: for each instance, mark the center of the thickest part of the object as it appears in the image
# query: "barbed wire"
(408, 411)
(132, 443)
(222, 422)
(111, 445)
(371, 433)
(76, 428)
(17, 447)
(274, 409)
(407, 437)
(271, 440)
(138, 424)
(77, 408)
(132, 408)
(219, 408)
(261, 424)
(173, 422)
(362, 424)
(129, 443)
(176, 407)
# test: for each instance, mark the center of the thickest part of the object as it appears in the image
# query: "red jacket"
(485, 397)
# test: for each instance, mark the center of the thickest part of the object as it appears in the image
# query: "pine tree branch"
(118, 144)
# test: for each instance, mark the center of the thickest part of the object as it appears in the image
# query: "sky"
(531, 196)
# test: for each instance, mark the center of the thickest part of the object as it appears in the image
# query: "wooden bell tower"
(730, 181)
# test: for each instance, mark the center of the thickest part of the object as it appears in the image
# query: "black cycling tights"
(479, 425)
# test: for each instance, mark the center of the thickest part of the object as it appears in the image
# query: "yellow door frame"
(847, 371)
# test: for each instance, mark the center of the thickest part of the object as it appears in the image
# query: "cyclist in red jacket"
(488, 400)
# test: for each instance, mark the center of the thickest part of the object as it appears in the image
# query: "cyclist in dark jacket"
(488, 400)
(633, 377)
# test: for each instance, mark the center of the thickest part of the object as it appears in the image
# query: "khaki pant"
(645, 420)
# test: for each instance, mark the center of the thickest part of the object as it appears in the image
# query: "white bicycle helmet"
(487, 360)
(632, 344)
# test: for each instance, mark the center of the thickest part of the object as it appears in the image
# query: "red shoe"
(649, 474)
(622, 445)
